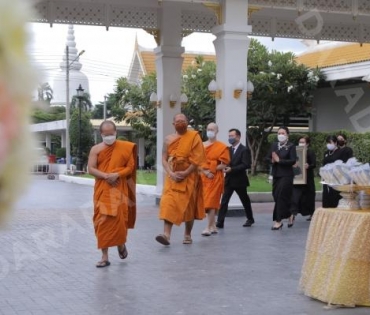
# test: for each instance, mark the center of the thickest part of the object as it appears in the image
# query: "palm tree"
(86, 103)
(45, 92)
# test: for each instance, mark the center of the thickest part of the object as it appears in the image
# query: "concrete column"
(168, 66)
(95, 136)
(63, 139)
(231, 45)
(48, 140)
(141, 152)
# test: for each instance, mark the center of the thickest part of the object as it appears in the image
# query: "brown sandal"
(122, 253)
(163, 239)
(102, 264)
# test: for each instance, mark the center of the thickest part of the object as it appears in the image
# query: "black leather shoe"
(220, 225)
(248, 223)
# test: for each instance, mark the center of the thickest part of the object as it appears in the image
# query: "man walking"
(113, 164)
(218, 157)
(236, 179)
(182, 197)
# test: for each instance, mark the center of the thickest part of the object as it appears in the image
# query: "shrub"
(61, 153)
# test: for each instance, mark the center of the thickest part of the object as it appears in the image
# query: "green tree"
(200, 108)
(51, 114)
(87, 139)
(98, 111)
(283, 89)
(85, 100)
(131, 103)
(45, 93)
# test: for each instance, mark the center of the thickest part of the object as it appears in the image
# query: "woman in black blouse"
(303, 197)
(331, 197)
(283, 156)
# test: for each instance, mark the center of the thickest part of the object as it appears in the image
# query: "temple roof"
(143, 62)
(338, 55)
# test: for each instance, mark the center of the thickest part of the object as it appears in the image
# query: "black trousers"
(244, 198)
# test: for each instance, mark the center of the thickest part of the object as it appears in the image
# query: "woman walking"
(303, 197)
(283, 156)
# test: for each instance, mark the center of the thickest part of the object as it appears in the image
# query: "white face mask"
(210, 134)
(109, 140)
(330, 146)
(282, 138)
(301, 144)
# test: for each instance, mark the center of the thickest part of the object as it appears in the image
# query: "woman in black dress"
(283, 156)
(303, 197)
(347, 152)
(331, 197)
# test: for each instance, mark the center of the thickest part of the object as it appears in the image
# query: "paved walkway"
(48, 256)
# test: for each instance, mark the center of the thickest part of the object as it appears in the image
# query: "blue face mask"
(232, 140)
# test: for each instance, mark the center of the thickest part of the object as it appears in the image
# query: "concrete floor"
(47, 263)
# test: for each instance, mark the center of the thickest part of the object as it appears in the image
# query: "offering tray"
(349, 194)
(365, 189)
(364, 196)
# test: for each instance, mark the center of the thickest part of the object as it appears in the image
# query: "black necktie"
(233, 150)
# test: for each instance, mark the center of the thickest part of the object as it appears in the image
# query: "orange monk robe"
(216, 153)
(183, 201)
(115, 207)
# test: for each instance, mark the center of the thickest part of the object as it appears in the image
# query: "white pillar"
(231, 45)
(63, 139)
(48, 140)
(168, 66)
(141, 152)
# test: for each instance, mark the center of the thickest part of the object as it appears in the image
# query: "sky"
(108, 54)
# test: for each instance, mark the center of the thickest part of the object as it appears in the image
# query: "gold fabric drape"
(336, 268)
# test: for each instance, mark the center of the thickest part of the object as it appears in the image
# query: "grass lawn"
(143, 177)
(258, 183)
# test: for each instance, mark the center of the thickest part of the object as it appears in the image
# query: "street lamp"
(80, 94)
(68, 145)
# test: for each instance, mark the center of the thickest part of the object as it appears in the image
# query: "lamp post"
(68, 144)
(105, 108)
(80, 94)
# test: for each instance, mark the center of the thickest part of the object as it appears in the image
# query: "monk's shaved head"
(213, 127)
(107, 124)
(180, 116)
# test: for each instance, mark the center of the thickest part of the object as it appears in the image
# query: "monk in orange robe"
(218, 157)
(182, 197)
(113, 164)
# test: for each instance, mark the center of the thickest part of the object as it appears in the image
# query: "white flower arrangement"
(16, 86)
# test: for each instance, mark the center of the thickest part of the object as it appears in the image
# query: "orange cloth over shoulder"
(216, 153)
(183, 201)
(115, 207)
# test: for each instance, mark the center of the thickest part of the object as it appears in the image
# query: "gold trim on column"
(217, 10)
(252, 9)
(156, 34)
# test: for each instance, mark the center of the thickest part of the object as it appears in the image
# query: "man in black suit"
(236, 179)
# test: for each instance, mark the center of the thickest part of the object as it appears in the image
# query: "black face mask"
(341, 143)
